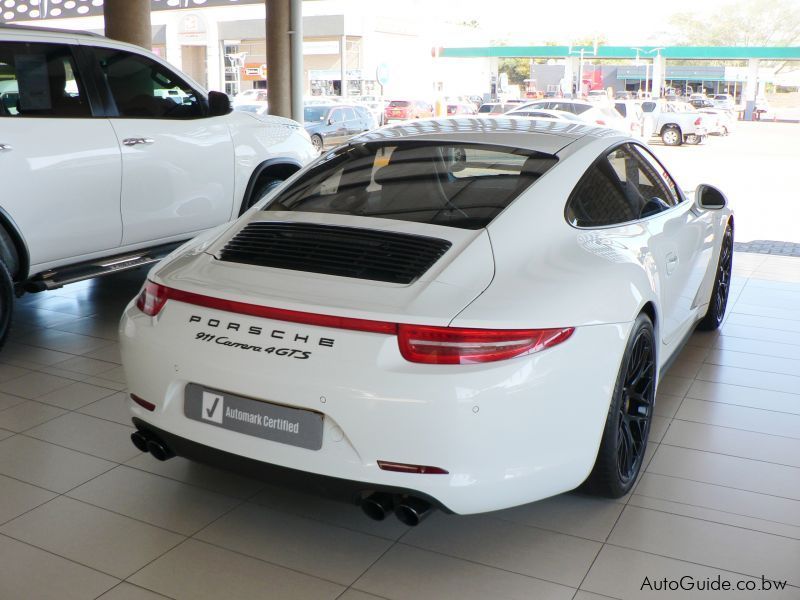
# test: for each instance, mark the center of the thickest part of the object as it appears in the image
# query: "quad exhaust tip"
(409, 510)
(147, 442)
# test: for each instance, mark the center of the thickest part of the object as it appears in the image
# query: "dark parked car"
(334, 124)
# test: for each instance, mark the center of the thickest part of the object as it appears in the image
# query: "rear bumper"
(323, 485)
(508, 433)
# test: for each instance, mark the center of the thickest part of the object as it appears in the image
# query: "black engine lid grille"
(333, 250)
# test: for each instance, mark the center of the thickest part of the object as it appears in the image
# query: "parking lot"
(756, 166)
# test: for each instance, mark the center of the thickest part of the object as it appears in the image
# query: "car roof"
(548, 136)
(23, 30)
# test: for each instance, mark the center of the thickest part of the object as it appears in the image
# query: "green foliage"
(740, 23)
(517, 69)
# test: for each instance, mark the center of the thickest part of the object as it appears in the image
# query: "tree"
(741, 23)
(517, 69)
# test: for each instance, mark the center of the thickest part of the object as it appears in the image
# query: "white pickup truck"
(675, 122)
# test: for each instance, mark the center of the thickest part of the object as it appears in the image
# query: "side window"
(40, 80)
(143, 88)
(619, 188)
(337, 116)
(349, 114)
(671, 189)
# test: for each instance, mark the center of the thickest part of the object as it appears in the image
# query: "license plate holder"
(256, 418)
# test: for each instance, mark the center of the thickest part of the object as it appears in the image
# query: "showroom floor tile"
(84, 515)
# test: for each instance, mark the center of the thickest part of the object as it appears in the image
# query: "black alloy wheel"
(636, 407)
(624, 441)
(722, 285)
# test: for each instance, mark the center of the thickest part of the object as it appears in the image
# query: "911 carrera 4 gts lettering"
(277, 334)
(226, 341)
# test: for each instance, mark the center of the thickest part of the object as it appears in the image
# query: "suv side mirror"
(218, 104)
(709, 198)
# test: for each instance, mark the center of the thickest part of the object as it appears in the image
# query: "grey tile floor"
(84, 515)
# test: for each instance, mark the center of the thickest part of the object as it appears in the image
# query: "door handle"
(4, 147)
(672, 262)
(135, 141)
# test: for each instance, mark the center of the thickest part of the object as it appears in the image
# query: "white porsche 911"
(462, 313)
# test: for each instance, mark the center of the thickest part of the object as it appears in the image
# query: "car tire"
(692, 139)
(264, 187)
(671, 136)
(317, 141)
(719, 294)
(624, 440)
(6, 302)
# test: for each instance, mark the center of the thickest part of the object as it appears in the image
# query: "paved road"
(758, 168)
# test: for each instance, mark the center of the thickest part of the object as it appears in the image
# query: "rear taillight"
(698, 120)
(152, 298)
(600, 122)
(456, 346)
(418, 343)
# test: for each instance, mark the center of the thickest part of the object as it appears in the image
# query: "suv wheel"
(317, 141)
(6, 302)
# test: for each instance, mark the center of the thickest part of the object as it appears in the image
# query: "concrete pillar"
(298, 78)
(569, 77)
(343, 61)
(214, 62)
(173, 45)
(659, 68)
(750, 89)
(279, 73)
(129, 21)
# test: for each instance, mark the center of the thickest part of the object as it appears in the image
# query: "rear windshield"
(485, 108)
(399, 103)
(452, 184)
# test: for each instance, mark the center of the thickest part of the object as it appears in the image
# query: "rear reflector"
(143, 403)
(404, 468)
(698, 120)
(454, 346)
(418, 343)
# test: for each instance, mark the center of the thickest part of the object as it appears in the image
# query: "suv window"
(443, 183)
(349, 114)
(143, 88)
(40, 80)
(619, 188)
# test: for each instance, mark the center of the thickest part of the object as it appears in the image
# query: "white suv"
(109, 157)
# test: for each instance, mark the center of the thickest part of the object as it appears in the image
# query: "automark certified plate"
(282, 424)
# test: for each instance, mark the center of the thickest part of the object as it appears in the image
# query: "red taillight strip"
(418, 343)
(280, 314)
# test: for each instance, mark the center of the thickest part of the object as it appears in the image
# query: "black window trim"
(85, 82)
(603, 155)
(104, 91)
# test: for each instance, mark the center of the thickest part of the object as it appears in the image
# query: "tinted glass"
(399, 103)
(619, 188)
(143, 88)
(349, 114)
(485, 108)
(313, 114)
(40, 80)
(453, 184)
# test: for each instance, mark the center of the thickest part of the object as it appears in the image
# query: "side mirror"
(331, 121)
(709, 198)
(218, 104)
